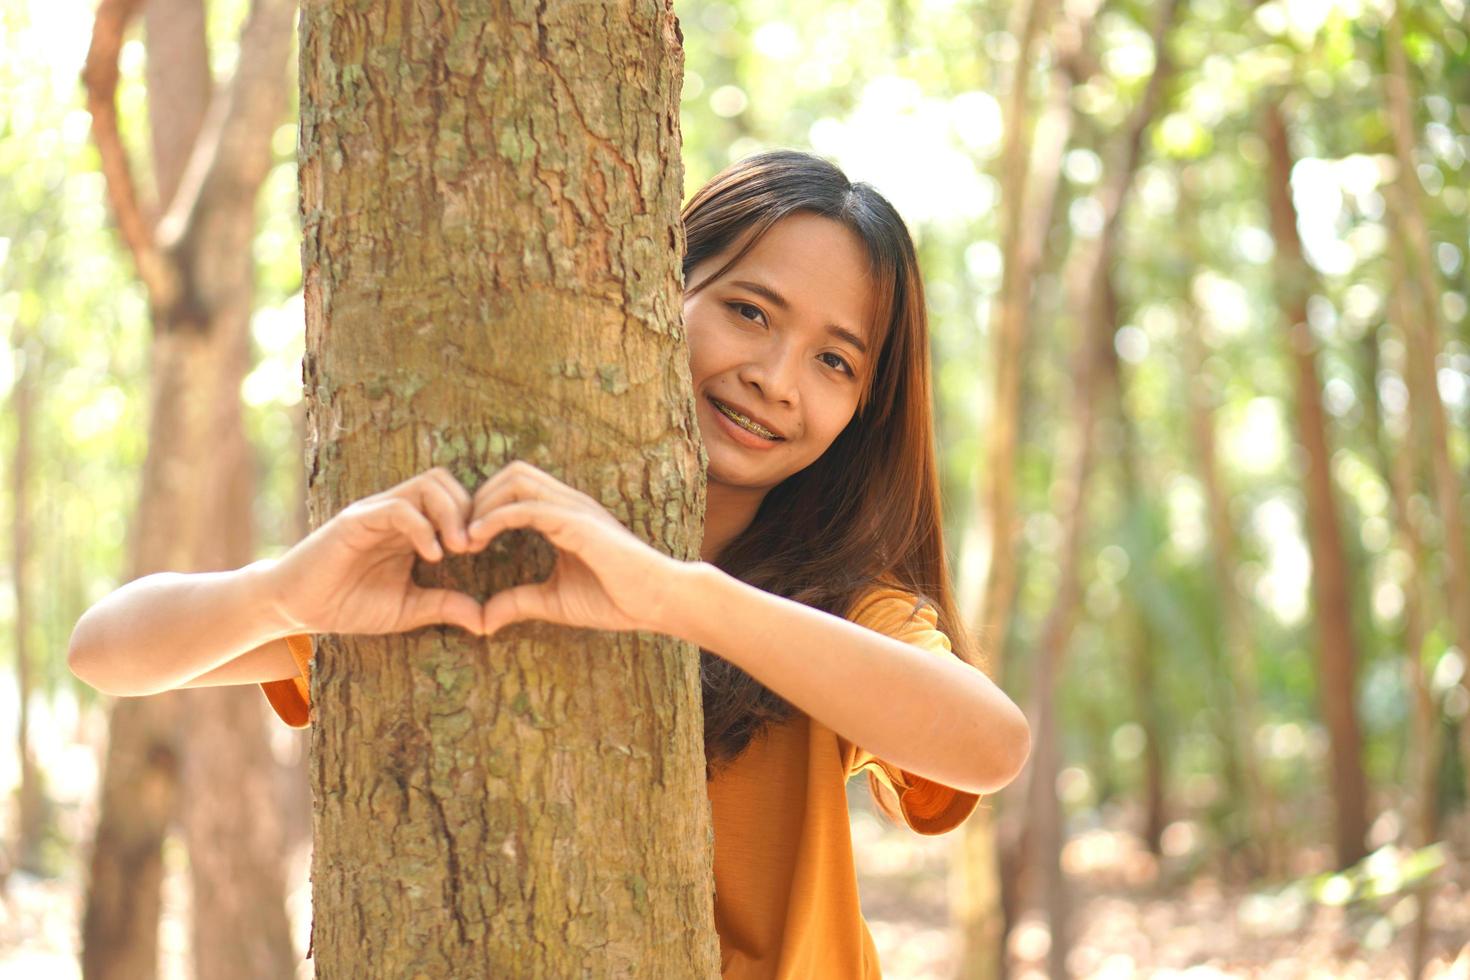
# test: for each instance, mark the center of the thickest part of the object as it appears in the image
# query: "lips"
(752, 417)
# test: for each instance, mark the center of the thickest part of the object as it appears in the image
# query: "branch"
(1128, 152)
(100, 77)
(232, 153)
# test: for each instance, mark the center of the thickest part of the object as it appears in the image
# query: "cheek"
(833, 419)
(704, 345)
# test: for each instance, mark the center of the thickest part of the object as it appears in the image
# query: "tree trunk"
(1093, 309)
(490, 200)
(1140, 635)
(1030, 172)
(1336, 645)
(235, 836)
(194, 259)
(293, 778)
(979, 910)
(32, 803)
(1399, 460)
(1254, 795)
(240, 928)
(1421, 337)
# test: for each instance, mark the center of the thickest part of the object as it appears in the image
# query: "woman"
(823, 556)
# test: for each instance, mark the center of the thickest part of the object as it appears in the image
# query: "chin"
(735, 475)
(722, 470)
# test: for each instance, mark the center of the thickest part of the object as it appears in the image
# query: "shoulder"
(898, 612)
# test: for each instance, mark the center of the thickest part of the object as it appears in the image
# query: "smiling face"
(778, 340)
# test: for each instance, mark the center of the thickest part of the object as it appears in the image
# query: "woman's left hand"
(605, 576)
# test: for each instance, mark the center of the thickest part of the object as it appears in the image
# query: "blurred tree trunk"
(1422, 340)
(1030, 171)
(1141, 637)
(1256, 800)
(979, 907)
(1401, 463)
(293, 787)
(1399, 458)
(491, 257)
(32, 804)
(210, 153)
(1086, 281)
(1336, 645)
(240, 927)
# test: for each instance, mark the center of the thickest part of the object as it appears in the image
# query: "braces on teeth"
(746, 423)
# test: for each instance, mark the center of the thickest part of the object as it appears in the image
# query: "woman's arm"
(937, 717)
(351, 575)
(161, 631)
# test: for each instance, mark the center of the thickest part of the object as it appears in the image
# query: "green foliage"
(909, 97)
(75, 319)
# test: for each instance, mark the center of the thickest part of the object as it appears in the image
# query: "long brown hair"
(868, 510)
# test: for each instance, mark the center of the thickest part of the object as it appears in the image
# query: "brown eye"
(841, 362)
(740, 309)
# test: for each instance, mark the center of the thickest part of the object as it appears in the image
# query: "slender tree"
(1086, 279)
(1337, 648)
(1400, 453)
(1253, 789)
(1421, 329)
(210, 152)
(1030, 174)
(490, 198)
(1141, 639)
(33, 804)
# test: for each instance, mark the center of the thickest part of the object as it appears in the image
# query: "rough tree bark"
(192, 251)
(1337, 653)
(490, 204)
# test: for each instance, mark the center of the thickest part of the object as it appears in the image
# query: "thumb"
(431, 607)
(532, 601)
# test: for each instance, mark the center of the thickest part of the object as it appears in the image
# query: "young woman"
(821, 605)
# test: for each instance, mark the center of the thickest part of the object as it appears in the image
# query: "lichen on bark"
(490, 198)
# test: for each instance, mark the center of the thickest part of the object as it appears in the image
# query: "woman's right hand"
(353, 574)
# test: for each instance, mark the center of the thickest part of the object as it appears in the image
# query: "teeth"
(746, 423)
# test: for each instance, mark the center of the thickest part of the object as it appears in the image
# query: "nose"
(775, 372)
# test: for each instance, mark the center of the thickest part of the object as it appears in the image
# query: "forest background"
(1198, 268)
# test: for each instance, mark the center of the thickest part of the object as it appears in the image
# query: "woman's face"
(767, 341)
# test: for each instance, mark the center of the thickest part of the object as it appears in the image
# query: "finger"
(507, 472)
(524, 486)
(518, 471)
(397, 514)
(514, 605)
(431, 607)
(557, 523)
(436, 500)
(509, 491)
(457, 490)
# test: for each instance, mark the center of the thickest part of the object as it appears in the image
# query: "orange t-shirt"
(786, 899)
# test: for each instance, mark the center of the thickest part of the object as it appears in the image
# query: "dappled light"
(1197, 284)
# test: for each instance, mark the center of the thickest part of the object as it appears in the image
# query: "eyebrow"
(841, 333)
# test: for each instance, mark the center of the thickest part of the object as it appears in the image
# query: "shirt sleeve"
(927, 806)
(291, 698)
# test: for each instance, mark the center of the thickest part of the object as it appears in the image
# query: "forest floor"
(1135, 915)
